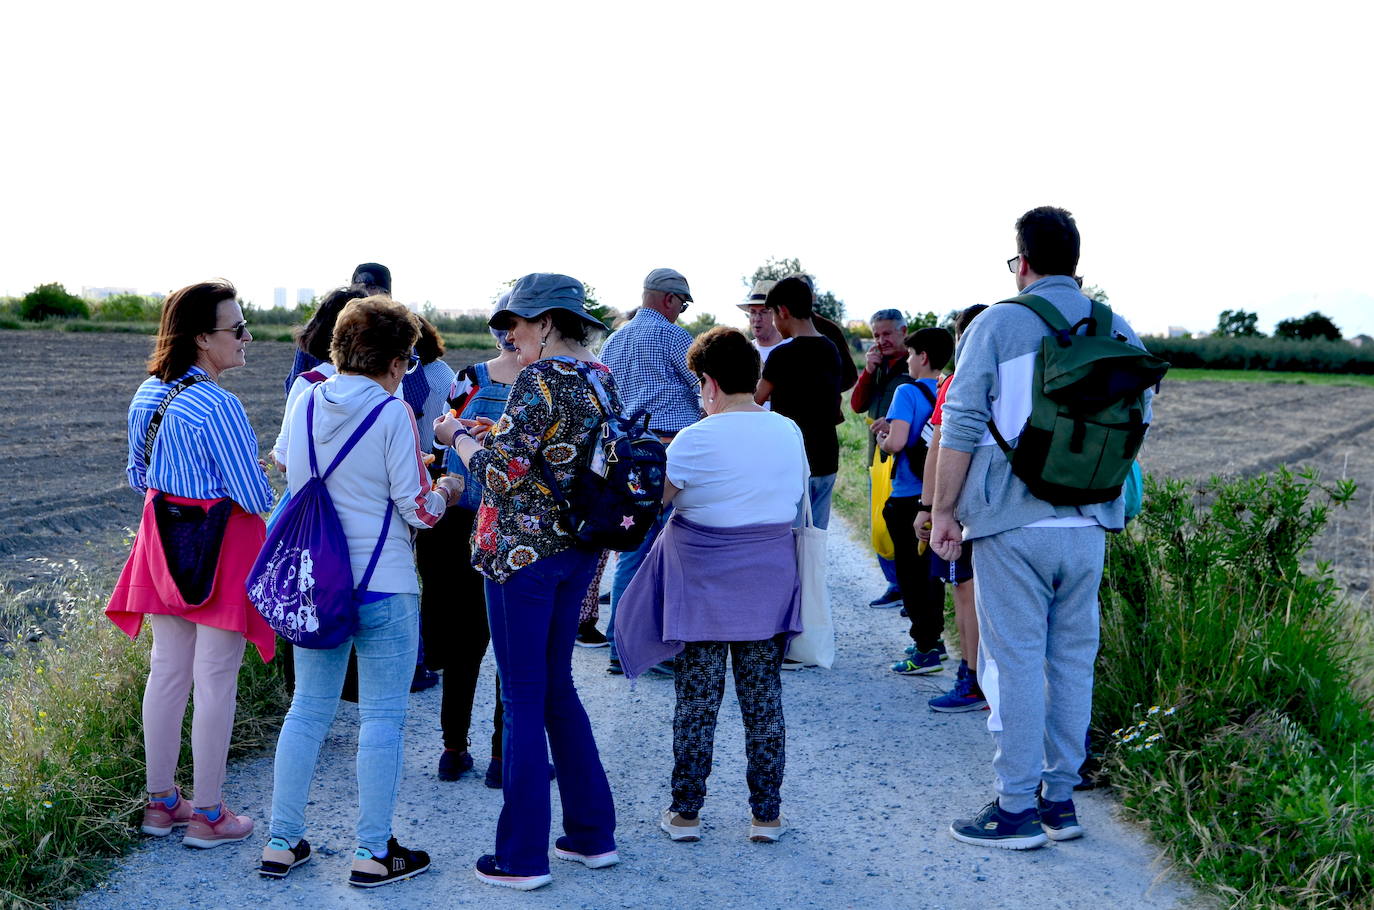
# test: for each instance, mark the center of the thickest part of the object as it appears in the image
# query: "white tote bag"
(816, 644)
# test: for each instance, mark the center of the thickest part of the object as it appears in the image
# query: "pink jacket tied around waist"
(146, 585)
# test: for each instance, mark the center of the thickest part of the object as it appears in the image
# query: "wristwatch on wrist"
(922, 507)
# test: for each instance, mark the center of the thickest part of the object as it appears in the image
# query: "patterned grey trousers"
(699, 677)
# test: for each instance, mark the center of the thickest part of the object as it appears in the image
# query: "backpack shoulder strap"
(1048, 312)
(1100, 320)
(926, 393)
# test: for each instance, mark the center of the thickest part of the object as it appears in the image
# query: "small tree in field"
(1237, 324)
(52, 300)
(1313, 325)
(700, 324)
(827, 304)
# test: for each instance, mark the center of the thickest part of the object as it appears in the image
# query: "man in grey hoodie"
(1039, 565)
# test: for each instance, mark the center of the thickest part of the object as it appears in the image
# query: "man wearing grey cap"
(648, 358)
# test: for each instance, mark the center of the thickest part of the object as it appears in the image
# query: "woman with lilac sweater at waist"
(722, 579)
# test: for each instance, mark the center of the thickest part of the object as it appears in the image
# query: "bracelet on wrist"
(922, 507)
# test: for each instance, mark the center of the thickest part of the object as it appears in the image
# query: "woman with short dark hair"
(536, 578)
(381, 478)
(312, 359)
(722, 580)
(193, 455)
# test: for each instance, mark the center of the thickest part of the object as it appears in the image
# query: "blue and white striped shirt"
(205, 448)
(648, 358)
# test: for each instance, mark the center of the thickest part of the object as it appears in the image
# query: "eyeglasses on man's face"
(413, 364)
(239, 329)
(1011, 263)
(683, 301)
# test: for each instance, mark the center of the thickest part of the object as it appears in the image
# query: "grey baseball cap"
(758, 294)
(539, 292)
(669, 280)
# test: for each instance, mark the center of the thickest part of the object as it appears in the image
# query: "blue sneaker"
(965, 696)
(919, 664)
(1059, 819)
(939, 646)
(890, 598)
(993, 827)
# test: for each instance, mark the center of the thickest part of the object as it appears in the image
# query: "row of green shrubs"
(1286, 355)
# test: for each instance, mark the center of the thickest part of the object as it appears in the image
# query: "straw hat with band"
(758, 295)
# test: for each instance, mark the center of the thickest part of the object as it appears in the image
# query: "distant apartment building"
(105, 293)
(279, 298)
(304, 295)
(1178, 331)
(465, 311)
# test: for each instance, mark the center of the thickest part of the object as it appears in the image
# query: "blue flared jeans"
(533, 617)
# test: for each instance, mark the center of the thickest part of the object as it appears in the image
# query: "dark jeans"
(699, 677)
(533, 617)
(453, 623)
(922, 595)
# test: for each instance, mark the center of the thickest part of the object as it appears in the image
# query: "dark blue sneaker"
(919, 664)
(1059, 819)
(965, 696)
(994, 828)
(890, 598)
(940, 647)
(454, 763)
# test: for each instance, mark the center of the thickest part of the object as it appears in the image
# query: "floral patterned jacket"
(552, 412)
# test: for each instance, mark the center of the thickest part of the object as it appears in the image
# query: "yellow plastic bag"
(880, 485)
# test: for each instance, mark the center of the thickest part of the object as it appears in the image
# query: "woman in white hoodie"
(372, 351)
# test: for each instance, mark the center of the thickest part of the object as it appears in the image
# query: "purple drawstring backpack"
(302, 581)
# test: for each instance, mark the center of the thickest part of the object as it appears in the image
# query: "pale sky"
(1215, 155)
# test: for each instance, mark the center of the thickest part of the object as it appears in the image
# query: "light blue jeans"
(387, 640)
(820, 490)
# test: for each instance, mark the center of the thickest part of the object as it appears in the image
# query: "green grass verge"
(1334, 379)
(71, 745)
(1232, 704)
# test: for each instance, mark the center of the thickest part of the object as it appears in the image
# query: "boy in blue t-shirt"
(928, 350)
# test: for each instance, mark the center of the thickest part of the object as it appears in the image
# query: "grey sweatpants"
(1036, 594)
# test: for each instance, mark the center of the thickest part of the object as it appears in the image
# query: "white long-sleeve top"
(383, 471)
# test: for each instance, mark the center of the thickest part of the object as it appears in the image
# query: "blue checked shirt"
(205, 448)
(648, 358)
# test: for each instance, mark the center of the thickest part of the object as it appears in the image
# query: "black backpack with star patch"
(617, 495)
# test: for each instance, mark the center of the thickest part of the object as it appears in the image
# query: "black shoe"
(604, 598)
(489, 870)
(615, 669)
(589, 636)
(399, 863)
(994, 827)
(279, 857)
(424, 679)
(890, 598)
(453, 763)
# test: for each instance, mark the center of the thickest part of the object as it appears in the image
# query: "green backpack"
(1087, 408)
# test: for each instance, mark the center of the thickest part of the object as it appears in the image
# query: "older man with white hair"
(884, 370)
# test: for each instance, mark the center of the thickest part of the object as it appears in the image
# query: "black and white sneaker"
(589, 636)
(399, 863)
(279, 857)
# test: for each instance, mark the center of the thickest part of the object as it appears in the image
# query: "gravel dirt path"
(873, 779)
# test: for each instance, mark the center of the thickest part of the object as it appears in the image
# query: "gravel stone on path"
(873, 780)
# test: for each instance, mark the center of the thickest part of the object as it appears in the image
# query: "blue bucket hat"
(539, 292)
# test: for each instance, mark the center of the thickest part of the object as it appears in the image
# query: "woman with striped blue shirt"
(194, 457)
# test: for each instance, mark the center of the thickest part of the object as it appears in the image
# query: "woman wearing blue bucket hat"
(536, 578)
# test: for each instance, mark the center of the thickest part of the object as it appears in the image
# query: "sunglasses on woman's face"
(239, 329)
